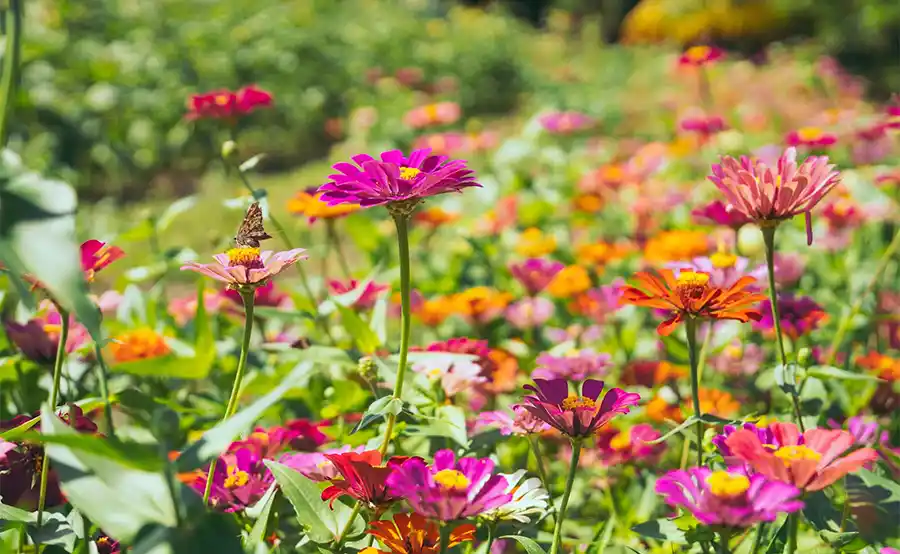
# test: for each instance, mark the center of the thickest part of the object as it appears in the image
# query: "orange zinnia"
(413, 534)
(691, 296)
(139, 344)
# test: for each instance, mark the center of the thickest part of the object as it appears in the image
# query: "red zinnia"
(363, 478)
(225, 104)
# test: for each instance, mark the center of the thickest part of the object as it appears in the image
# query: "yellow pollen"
(236, 478)
(698, 53)
(734, 352)
(722, 483)
(689, 278)
(451, 480)
(409, 173)
(809, 133)
(795, 453)
(723, 260)
(436, 372)
(52, 328)
(622, 441)
(222, 99)
(242, 255)
(574, 402)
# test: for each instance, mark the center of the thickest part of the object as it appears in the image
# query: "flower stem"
(14, 14)
(248, 295)
(401, 221)
(570, 480)
(691, 332)
(346, 529)
(335, 239)
(54, 397)
(539, 460)
(757, 540)
(490, 538)
(102, 373)
(724, 539)
(793, 529)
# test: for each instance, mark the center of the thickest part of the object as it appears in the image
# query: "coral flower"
(800, 315)
(140, 344)
(810, 461)
(601, 253)
(396, 180)
(719, 213)
(728, 498)
(441, 113)
(434, 311)
(449, 490)
(313, 207)
(651, 373)
(363, 478)
(811, 137)
(240, 267)
(691, 296)
(700, 55)
(224, 104)
(566, 123)
(535, 273)
(413, 534)
(95, 255)
(577, 415)
(480, 305)
(770, 195)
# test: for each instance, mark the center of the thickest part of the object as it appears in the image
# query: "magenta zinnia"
(577, 415)
(770, 195)
(395, 180)
(449, 489)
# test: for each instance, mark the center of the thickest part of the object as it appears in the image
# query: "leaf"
(377, 410)
(831, 372)
(530, 546)
(779, 538)
(687, 423)
(321, 524)
(262, 510)
(175, 209)
(786, 377)
(251, 163)
(875, 504)
(11, 513)
(661, 530)
(130, 454)
(216, 440)
(55, 529)
(206, 531)
(94, 485)
(448, 421)
(363, 335)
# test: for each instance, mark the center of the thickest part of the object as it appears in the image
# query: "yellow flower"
(572, 280)
(314, 208)
(533, 243)
(676, 246)
(601, 253)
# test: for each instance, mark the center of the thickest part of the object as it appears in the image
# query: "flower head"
(691, 295)
(242, 266)
(651, 373)
(703, 125)
(729, 498)
(810, 461)
(139, 344)
(363, 478)
(481, 305)
(95, 255)
(566, 123)
(529, 313)
(368, 296)
(570, 281)
(414, 534)
(719, 213)
(449, 489)
(575, 365)
(265, 295)
(435, 217)
(240, 480)
(396, 180)
(811, 137)
(528, 498)
(629, 445)
(430, 115)
(455, 375)
(523, 422)
(770, 195)
(38, 338)
(577, 415)
(533, 242)
(738, 359)
(225, 104)
(535, 273)
(674, 246)
(315, 465)
(313, 207)
(800, 315)
(700, 55)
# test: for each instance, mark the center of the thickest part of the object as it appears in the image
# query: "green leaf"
(779, 538)
(448, 421)
(262, 510)
(94, 485)
(530, 546)
(130, 454)
(175, 209)
(363, 335)
(687, 423)
(216, 440)
(206, 531)
(661, 530)
(830, 372)
(378, 410)
(786, 377)
(11, 513)
(875, 504)
(321, 524)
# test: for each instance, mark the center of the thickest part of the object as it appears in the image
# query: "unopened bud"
(804, 355)
(229, 148)
(367, 369)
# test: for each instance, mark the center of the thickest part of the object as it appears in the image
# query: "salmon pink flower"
(398, 181)
(414, 534)
(700, 55)
(524, 423)
(811, 137)
(810, 461)
(449, 489)
(363, 478)
(771, 195)
(430, 115)
(690, 295)
(719, 213)
(577, 415)
(95, 255)
(535, 273)
(728, 498)
(576, 365)
(243, 266)
(225, 104)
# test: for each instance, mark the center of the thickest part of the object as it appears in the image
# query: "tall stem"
(248, 295)
(570, 480)
(539, 460)
(691, 332)
(724, 539)
(793, 529)
(490, 538)
(757, 540)
(401, 221)
(102, 374)
(335, 239)
(768, 233)
(11, 59)
(349, 524)
(54, 397)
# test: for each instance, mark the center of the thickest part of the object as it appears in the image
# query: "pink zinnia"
(529, 313)
(700, 55)
(566, 123)
(577, 415)
(535, 273)
(770, 195)
(811, 137)
(719, 213)
(624, 446)
(240, 267)
(396, 180)
(704, 126)
(225, 104)
(524, 423)
(367, 296)
(575, 365)
(95, 255)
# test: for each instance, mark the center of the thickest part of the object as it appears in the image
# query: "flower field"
(647, 308)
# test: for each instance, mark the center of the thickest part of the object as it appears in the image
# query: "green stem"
(691, 332)
(335, 239)
(570, 480)
(401, 222)
(346, 529)
(793, 529)
(11, 60)
(768, 233)
(54, 397)
(724, 539)
(102, 373)
(757, 541)
(704, 352)
(490, 538)
(539, 460)
(248, 295)
(857, 305)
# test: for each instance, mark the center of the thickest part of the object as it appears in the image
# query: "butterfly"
(251, 230)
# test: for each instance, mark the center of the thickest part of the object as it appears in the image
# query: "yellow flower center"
(723, 260)
(622, 441)
(451, 480)
(795, 453)
(236, 478)
(243, 255)
(574, 402)
(698, 53)
(409, 173)
(692, 279)
(809, 133)
(734, 352)
(222, 99)
(722, 483)
(52, 328)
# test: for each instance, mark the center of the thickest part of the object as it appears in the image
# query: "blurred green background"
(105, 82)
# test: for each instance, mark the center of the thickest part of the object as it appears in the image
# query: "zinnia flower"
(690, 295)
(738, 359)
(413, 534)
(449, 490)
(568, 282)
(705, 126)
(481, 305)
(719, 213)
(224, 104)
(367, 297)
(240, 480)
(810, 461)
(700, 55)
(95, 255)
(435, 217)
(535, 273)
(240, 267)
(38, 338)
(396, 180)
(811, 137)
(800, 315)
(533, 242)
(674, 246)
(576, 365)
(364, 478)
(770, 195)
(524, 422)
(577, 415)
(441, 113)
(566, 123)
(528, 498)
(728, 498)
(630, 445)
(529, 313)
(139, 344)
(313, 207)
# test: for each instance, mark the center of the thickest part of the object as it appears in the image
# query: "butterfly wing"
(251, 230)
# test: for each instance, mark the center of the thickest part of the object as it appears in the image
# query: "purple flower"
(575, 366)
(728, 498)
(529, 312)
(239, 481)
(800, 315)
(449, 490)
(720, 213)
(395, 179)
(577, 416)
(566, 123)
(535, 273)
(764, 433)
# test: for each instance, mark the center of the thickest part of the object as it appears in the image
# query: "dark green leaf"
(661, 530)
(129, 454)
(448, 421)
(205, 532)
(11, 513)
(377, 410)
(875, 504)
